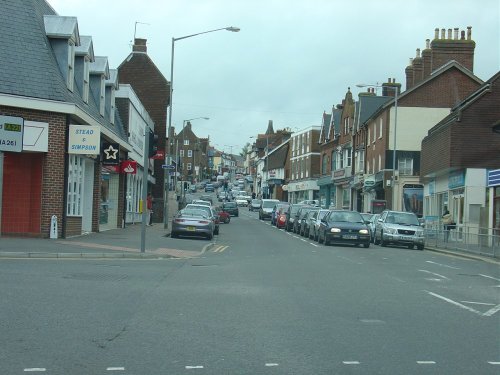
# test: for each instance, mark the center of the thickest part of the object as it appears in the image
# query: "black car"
(231, 208)
(307, 222)
(290, 215)
(299, 217)
(344, 227)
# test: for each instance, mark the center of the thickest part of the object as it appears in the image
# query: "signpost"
(11, 133)
(169, 167)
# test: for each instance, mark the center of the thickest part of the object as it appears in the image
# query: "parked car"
(231, 208)
(311, 202)
(344, 227)
(399, 228)
(266, 208)
(307, 222)
(254, 205)
(224, 217)
(192, 222)
(276, 209)
(299, 217)
(211, 214)
(314, 228)
(371, 225)
(209, 188)
(290, 215)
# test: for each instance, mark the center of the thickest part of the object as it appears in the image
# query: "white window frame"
(361, 160)
(405, 166)
(112, 107)
(380, 162)
(373, 164)
(369, 135)
(186, 142)
(381, 127)
(346, 125)
(188, 166)
(102, 97)
(76, 173)
(71, 66)
(86, 79)
(190, 153)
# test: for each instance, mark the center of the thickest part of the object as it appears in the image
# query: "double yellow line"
(220, 249)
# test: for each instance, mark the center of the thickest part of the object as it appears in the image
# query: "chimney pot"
(449, 33)
(411, 61)
(469, 32)
(436, 33)
(428, 43)
(394, 80)
(443, 34)
(418, 52)
(455, 33)
(462, 35)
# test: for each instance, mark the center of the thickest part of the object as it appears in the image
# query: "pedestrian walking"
(149, 205)
(448, 224)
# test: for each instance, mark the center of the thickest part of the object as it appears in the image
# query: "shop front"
(494, 203)
(326, 191)
(303, 190)
(342, 180)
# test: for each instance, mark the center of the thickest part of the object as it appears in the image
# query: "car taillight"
(203, 222)
(282, 219)
(179, 220)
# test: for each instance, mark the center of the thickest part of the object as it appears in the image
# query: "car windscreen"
(193, 213)
(402, 218)
(345, 216)
(207, 209)
(256, 201)
(268, 204)
(322, 214)
(229, 205)
(295, 209)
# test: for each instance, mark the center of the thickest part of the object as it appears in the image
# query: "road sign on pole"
(167, 166)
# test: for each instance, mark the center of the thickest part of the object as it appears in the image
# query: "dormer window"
(71, 66)
(102, 96)
(86, 78)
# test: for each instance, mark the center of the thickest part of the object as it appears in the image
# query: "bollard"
(53, 227)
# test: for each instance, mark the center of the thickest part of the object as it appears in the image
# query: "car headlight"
(363, 231)
(391, 230)
(335, 230)
(419, 233)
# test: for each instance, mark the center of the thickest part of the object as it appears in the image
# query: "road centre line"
(272, 364)
(435, 274)
(350, 362)
(303, 239)
(35, 369)
(454, 302)
(442, 265)
(426, 362)
(115, 369)
(489, 277)
(193, 367)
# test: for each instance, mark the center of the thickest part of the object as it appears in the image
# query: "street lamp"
(396, 91)
(166, 181)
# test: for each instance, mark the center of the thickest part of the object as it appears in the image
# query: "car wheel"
(366, 245)
(420, 247)
(382, 242)
(174, 235)
(210, 236)
(320, 240)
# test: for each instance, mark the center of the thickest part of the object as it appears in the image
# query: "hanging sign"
(110, 153)
(84, 139)
(128, 167)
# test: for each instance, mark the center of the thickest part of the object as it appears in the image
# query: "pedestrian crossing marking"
(220, 249)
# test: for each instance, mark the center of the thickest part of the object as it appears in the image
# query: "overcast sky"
(292, 59)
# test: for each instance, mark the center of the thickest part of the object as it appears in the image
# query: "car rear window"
(230, 204)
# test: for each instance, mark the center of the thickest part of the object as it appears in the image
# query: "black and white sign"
(11, 133)
(110, 153)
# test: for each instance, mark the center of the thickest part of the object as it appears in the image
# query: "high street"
(259, 301)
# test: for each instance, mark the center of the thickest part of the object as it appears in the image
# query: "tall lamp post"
(166, 182)
(396, 92)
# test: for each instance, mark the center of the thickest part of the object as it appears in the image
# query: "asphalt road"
(261, 301)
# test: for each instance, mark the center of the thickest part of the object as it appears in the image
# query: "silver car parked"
(400, 228)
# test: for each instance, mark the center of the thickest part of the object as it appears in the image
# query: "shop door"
(88, 190)
(458, 215)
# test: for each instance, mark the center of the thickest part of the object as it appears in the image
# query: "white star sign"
(111, 152)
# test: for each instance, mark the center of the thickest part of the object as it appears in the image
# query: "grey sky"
(292, 59)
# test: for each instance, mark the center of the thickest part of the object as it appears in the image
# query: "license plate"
(350, 237)
(407, 238)
(191, 228)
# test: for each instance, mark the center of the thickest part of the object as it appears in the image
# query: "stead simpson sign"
(84, 139)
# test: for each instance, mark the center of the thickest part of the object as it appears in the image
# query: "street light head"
(233, 29)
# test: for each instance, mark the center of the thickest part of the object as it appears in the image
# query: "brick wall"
(73, 226)
(53, 164)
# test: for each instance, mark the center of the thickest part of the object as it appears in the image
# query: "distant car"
(399, 228)
(311, 202)
(209, 188)
(241, 200)
(314, 228)
(192, 222)
(207, 198)
(254, 205)
(231, 208)
(192, 188)
(266, 208)
(308, 222)
(344, 227)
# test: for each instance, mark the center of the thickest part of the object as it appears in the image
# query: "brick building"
(192, 155)
(52, 85)
(153, 90)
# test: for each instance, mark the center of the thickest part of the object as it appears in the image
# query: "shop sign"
(128, 167)
(369, 182)
(160, 155)
(339, 173)
(272, 173)
(456, 179)
(110, 169)
(110, 153)
(284, 187)
(11, 133)
(84, 139)
(494, 177)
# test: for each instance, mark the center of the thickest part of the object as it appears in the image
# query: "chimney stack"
(140, 45)
(409, 74)
(427, 59)
(455, 33)
(445, 50)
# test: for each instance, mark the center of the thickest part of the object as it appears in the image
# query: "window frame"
(75, 185)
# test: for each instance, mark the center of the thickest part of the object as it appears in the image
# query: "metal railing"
(481, 241)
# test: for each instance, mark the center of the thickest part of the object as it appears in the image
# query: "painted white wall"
(413, 125)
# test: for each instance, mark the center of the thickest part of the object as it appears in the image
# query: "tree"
(245, 149)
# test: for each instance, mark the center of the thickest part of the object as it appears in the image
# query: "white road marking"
(303, 239)
(426, 362)
(432, 279)
(350, 362)
(272, 364)
(35, 369)
(479, 303)
(489, 277)
(492, 311)
(454, 303)
(193, 367)
(313, 244)
(295, 236)
(115, 369)
(442, 265)
(493, 363)
(435, 274)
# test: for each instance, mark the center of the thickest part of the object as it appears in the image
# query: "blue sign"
(167, 166)
(494, 177)
(456, 179)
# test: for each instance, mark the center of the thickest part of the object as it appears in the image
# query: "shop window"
(75, 185)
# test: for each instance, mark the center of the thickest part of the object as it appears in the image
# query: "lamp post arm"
(204, 32)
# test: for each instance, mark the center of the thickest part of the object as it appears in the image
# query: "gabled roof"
(100, 66)
(278, 157)
(86, 47)
(113, 78)
(325, 125)
(62, 27)
(367, 105)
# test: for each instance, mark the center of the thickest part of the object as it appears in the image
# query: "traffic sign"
(167, 166)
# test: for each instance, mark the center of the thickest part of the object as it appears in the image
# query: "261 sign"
(11, 133)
